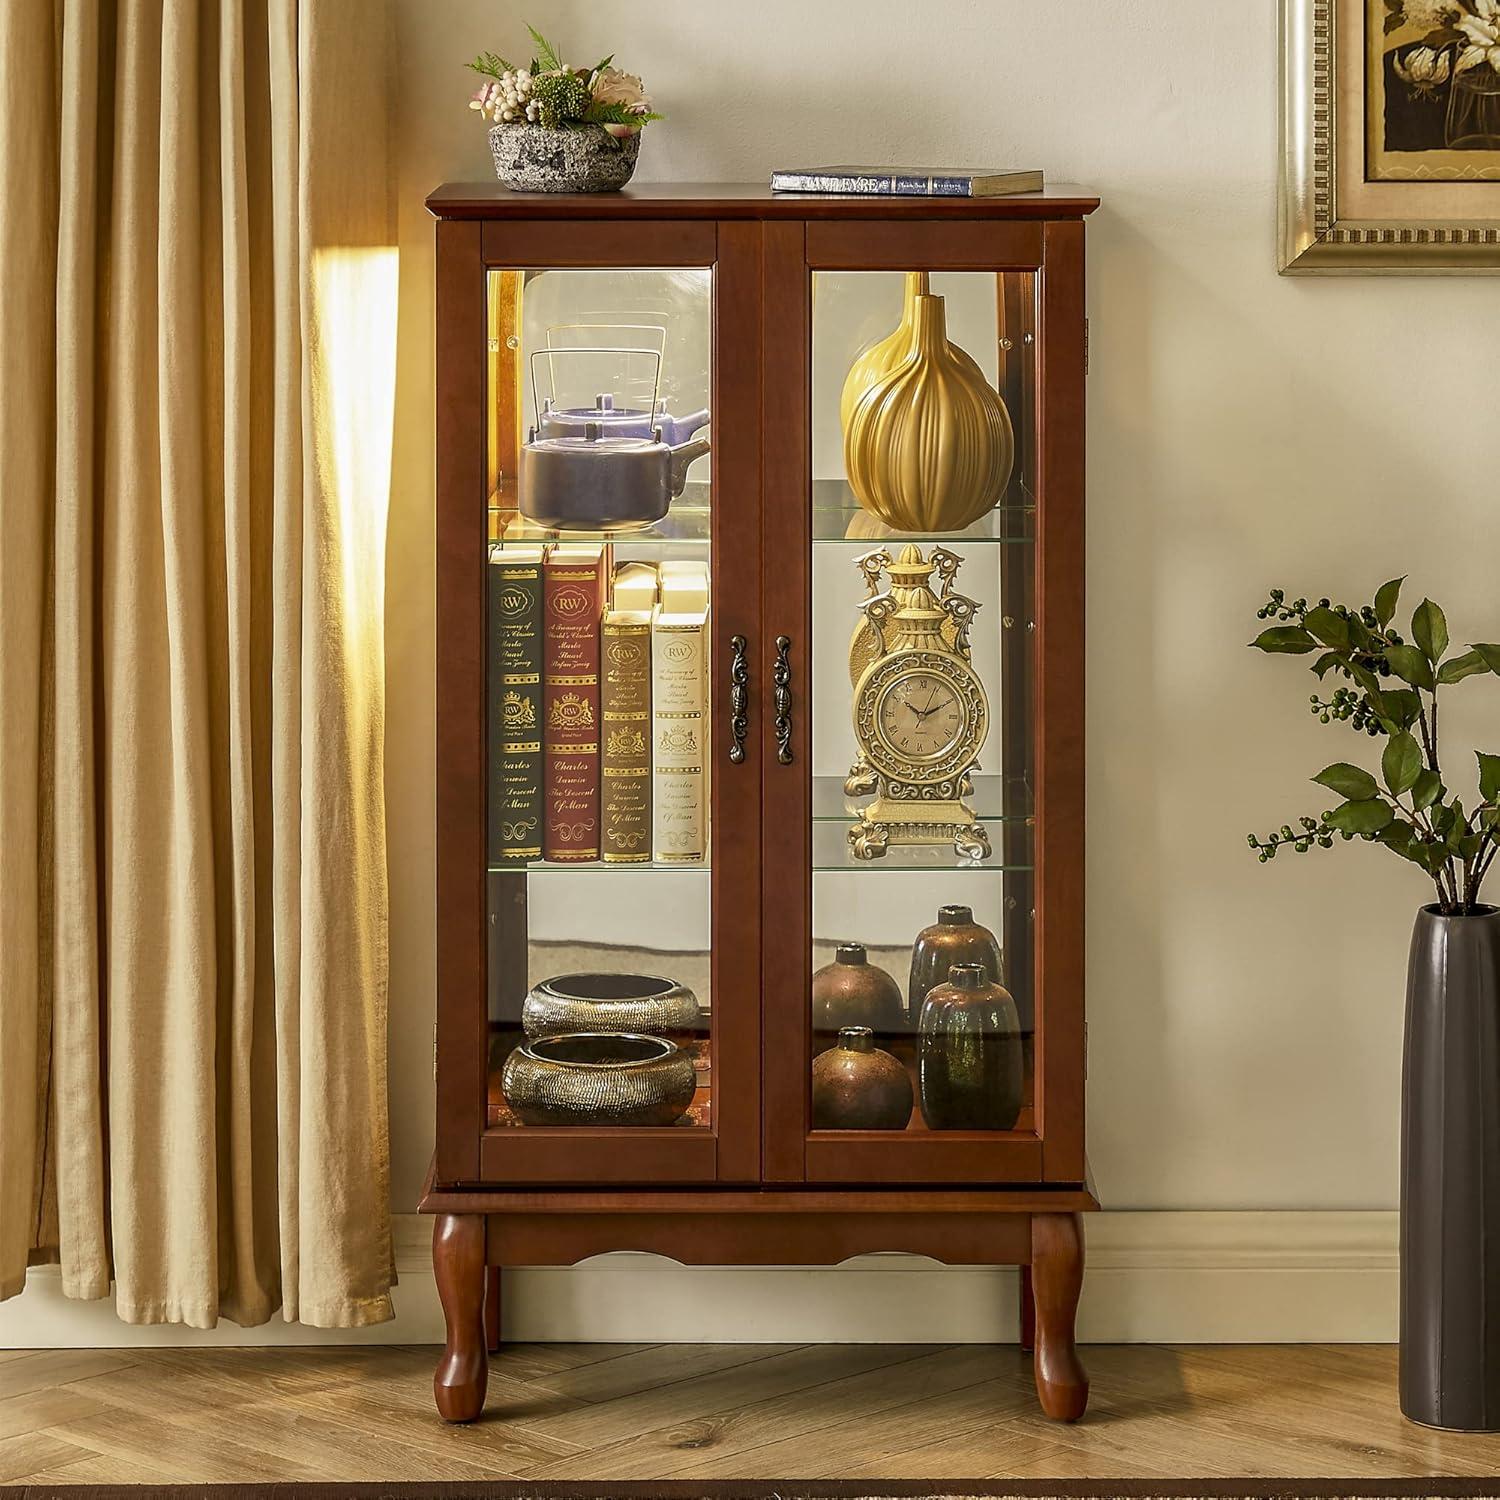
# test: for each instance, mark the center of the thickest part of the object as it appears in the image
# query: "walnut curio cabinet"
(760, 794)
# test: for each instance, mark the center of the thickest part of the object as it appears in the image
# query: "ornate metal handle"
(781, 677)
(739, 698)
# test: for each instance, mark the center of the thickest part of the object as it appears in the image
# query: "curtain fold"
(195, 412)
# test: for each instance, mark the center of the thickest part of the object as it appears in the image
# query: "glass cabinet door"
(607, 645)
(920, 1002)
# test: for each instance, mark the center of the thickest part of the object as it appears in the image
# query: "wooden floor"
(615, 1411)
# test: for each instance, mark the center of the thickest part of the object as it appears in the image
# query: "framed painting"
(1390, 137)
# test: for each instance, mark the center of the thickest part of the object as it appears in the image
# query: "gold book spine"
(680, 736)
(625, 765)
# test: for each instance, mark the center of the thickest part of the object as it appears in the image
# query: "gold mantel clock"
(920, 710)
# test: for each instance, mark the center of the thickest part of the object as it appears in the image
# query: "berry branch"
(1392, 695)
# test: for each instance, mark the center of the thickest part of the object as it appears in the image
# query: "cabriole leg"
(1057, 1279)
(458, 1264)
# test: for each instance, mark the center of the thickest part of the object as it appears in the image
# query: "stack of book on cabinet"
(598, 705)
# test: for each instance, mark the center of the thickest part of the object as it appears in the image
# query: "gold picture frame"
(1347, 204)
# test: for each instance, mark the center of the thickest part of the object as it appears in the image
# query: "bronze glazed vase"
(851, 991)
(856, 1086)
(970, 1060)
(955, 938)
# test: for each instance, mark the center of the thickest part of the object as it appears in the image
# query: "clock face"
(920, 716)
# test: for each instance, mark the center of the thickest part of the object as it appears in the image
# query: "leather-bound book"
(625, 697)
(515, 705)
(576, 579)
(679, 705)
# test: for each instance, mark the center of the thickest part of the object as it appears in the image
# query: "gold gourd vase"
(929, 445)
(884, 354)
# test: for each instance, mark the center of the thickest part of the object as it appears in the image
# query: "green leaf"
(1489, 775)
(1430, 627)
(599, 67)
(1456, 668)
(1397, 836)
(1368, 681)
(1326, 661)
(1362, 817)
(1289, 639)
(1426, 789)
(1411, 665)
(545, 51)
(1490, 654)
(1386, 597)
(1331, 629)
(1458, 827)
(1351, 782)
(1432, 857)
(1401, 706)
(1401, 763)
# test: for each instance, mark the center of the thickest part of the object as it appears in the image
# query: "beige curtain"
(197, 333)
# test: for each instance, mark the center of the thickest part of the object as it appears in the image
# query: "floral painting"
(1435, 80)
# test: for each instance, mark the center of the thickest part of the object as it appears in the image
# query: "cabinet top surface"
(744, 200)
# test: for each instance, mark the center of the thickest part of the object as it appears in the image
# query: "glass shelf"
(597, 867)
(688, 524)
(837, 517)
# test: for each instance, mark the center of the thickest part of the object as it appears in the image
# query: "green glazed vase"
(970, 1059)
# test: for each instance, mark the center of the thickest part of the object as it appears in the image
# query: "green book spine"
(515, 706)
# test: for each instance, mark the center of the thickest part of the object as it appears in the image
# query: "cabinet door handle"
(739, 698)
(781, 677)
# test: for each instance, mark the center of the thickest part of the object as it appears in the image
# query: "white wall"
(1244, 430)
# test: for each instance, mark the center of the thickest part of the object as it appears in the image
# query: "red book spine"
(573, 604)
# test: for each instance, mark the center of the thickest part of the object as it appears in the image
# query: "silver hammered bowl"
(644, 1003)
(598, 1078)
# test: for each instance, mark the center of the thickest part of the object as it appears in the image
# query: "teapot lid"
(596, 437)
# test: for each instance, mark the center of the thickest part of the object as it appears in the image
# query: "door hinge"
(1085, 346)
(1085, 1051)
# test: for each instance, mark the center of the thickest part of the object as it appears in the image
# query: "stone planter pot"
(529, 159)
(1450, 1174)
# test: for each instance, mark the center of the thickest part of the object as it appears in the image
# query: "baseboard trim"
(1157, 1277)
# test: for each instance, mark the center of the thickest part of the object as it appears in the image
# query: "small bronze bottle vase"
(955, 938)
(851, 991)
(970, 1060)
(856, 1086)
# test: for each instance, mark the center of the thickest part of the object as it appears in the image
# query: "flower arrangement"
(1392, 696)
(1457, 35)
(556, 96)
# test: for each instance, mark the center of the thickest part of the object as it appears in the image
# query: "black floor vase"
(1450, 1174)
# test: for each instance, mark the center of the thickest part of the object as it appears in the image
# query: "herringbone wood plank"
(645, 1411)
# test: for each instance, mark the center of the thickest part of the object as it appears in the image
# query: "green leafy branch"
(491, 65)
(1410, 809)
(617, 114)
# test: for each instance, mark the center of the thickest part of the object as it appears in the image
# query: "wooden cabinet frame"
(760, 1182)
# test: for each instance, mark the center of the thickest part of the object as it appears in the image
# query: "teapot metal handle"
(550, 354)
